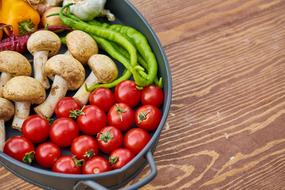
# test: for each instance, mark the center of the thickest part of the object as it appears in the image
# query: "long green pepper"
(136, 70)
(140, 42)
(107, 46)
(141, 61)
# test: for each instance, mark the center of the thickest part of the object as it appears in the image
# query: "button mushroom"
(68, 74)
(104, 70)
(12, 64)
(81, 45)
(24, 91)
(6, 112)
(43, 44)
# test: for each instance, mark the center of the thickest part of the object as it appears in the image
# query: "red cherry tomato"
(121, 116)
(36, 129)
(47, 154)
(148, 117)
(65, 106)
(96, 165)
(84, 147)
(136, 139)
(127, 92)
(20, 148)
(152, 95)
(63, 131)
(67, 165)
(120, 157)
(109, 139)
(92, 120)
(103, 98)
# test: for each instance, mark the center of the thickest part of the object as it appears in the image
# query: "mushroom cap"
(68, 68)
(81, 45)
(24, 89)
(44, 40)
(7, 109)
(103, 67)
(14, 63)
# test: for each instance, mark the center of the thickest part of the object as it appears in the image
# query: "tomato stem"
(29, 157)
(113, 159)
(106, 137)
(50, 120)
(89, 154)
(77, 162)
(143, 116)
(120, 112)
(76, 113)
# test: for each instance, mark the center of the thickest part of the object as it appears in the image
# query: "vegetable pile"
(110, 118)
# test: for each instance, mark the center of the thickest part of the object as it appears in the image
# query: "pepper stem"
(158, 82)
(26, 26)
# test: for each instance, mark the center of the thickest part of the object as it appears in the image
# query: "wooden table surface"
(226, 128)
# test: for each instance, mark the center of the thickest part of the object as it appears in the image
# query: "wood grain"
(226, 128)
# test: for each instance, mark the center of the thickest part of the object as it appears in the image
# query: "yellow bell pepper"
(20, 15)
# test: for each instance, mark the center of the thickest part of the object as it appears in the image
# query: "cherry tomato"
(47, 154)
(63, 131)
(136, 139)
(65, 106)
(148, 117)
(96, 165)
(127, 92)
(67, 165)
(152, 95)
(103, 98)
(121, 116)
(84, 147)
(109, 139)
(20, 148)
(120, 157)
(92, 120)
(36, 129)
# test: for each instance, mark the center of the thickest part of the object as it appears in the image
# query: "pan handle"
(96, 186)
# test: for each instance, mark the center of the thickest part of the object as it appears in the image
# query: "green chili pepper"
(140, 42)
(141, 61)
(107, 46)
(139, 75)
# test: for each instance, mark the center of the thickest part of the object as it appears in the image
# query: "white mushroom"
(6, 112)
(104, 70)
(81, 46)
(24, 91)
(12, 64)
(68, 74)
(43, 44)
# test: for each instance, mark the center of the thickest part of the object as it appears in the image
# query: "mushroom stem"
(82, 95)
(57, 92)
(40, 58)
(67, 53)
(22, 111)
(2, 134)
(5, 77)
